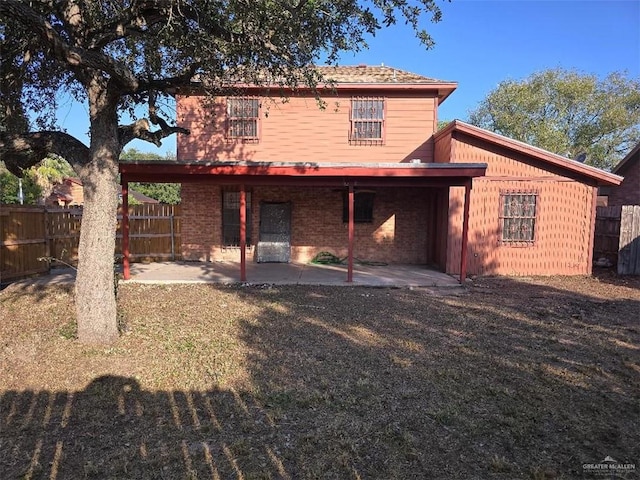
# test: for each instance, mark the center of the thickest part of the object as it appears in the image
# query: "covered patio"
(289, 274)
(303, 175)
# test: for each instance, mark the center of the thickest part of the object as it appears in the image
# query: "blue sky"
(479, 43)
(482, 42)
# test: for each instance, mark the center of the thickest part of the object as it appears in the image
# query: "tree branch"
(134, 20)
(141, 130)
(164, 84)
(144, 14)
(22, 151)
(60, 50)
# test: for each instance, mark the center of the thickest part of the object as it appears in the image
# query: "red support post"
(125, 230)
(465, 231)
(243, 234)
(351, 236)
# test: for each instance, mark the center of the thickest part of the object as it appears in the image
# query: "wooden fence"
(28, 233)
(629, 255)
(617, 237)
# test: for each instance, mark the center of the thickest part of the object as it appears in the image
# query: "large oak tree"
(119, 55)
(568, 113)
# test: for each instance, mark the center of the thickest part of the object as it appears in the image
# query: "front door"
(274, 244)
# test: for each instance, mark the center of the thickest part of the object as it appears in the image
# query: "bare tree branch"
(133, 21)
(141, 130)
(165, 84)
(73, 56)
(22, 151)
(153, 112)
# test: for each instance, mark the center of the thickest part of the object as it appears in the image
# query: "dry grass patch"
(525, 378)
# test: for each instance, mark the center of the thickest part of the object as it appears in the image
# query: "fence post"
(173, 240)
(629, 246)
(47, 236)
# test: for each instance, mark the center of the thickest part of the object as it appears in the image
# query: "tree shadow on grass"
(406, 385)
(512, 380)
(113, 429)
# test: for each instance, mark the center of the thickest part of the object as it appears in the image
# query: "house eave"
(626, 160)
(571, 167)
(441, 90)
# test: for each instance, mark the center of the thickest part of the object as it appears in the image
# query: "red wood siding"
(442, 149)
(299, 130)
(564, 220)
(628, 192)
(400, 233)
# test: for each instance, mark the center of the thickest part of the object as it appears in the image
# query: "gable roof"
(353, 77)
(68, 197)
(554, 162)
(138, 196)
(384, 77)
(75, 180)
(633, 154)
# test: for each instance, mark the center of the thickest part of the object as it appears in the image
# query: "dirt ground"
(513, 378)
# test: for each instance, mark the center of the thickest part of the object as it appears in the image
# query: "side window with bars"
(367, 120)
(518, 211)
(242, 118)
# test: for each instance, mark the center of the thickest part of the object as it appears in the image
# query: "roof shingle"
(373, 74)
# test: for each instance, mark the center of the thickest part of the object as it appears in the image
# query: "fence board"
(64, 233)
(607, 234)
(22, 241)
(30, 232)
(629, 255)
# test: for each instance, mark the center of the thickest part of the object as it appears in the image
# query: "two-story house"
(363, 173)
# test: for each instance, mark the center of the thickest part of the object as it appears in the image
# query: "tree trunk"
(95, 287)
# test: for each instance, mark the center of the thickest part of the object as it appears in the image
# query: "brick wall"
(399, 232)
(201, 219)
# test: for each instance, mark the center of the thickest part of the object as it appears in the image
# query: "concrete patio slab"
(401, 276)
(290, 274)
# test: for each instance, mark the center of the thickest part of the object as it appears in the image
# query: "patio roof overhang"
(346, 175)
(304, 173)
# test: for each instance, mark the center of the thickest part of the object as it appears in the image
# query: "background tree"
(9, 186)
(163, 192)
(120, 55)
(567, 113)
(51, 171)
(38, 181)
(442, 124)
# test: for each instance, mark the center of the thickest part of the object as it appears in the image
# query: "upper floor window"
(367, 120)
(242, 118)
(518, 216)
